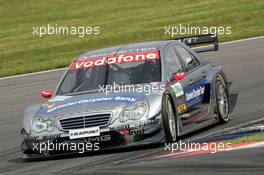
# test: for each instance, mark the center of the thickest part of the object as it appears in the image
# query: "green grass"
(252, 138)
(122, 21)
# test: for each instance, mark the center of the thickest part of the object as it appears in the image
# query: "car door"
(194, 90)
(174, 65)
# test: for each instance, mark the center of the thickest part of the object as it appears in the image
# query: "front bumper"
(110, 138)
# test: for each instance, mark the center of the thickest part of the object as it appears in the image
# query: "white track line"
(34, 73)
(54, 70)
(227, 129)
(241, 40)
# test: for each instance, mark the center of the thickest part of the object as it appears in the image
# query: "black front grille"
(84, 121)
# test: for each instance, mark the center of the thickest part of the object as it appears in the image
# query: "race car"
(129, 95)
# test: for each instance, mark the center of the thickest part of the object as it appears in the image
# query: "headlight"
(135, 113)
(124, 116)
(138, 111)
(39, 125)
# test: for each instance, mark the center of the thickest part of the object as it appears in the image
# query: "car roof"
(127, 48)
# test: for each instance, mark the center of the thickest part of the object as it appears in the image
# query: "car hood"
(95, 102)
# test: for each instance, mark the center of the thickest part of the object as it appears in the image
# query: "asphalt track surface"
(242, 61)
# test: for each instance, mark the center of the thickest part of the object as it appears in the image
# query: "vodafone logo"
(118, 59)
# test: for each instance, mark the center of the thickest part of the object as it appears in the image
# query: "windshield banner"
(118, 59)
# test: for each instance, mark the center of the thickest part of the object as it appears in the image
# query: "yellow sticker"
(182, 108)
(48, 105)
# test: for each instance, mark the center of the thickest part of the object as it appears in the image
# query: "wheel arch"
(213, 73)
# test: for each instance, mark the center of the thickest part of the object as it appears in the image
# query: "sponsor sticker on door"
(177, 88)
(182, 108)
(194, 94)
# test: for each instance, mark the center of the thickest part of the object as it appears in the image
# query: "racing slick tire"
(222, 100)
(169, 119)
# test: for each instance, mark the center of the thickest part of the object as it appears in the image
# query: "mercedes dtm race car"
(129, 95)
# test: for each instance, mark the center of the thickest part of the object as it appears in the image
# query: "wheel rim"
(222, 100)
(171, 119)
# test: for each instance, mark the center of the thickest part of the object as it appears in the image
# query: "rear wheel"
(169, 120)
(222, 102)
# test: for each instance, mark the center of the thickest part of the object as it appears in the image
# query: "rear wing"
(201, 40)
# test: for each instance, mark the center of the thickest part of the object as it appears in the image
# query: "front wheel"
(169, 120)
(222, 102)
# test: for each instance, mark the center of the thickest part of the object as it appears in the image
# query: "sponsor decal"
(147, 123)
(181, 108)
(140, 125)
(146, 49)
(51, 137)
(139, 131)
(177, 88)
(60, 98)
(118, 59)
(194, 94)
(112, 53)
(101, 138)
(126, 99)
(133, 132)
(123, 127)
(85, 132)
(48, 105)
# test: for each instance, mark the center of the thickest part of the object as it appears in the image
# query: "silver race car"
(129, 95)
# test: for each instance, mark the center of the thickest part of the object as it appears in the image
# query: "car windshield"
(91, 74)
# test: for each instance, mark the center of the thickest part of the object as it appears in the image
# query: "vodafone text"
(118, 59)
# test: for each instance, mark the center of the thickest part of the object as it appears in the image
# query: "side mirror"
(179, 76)
(46, 94)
